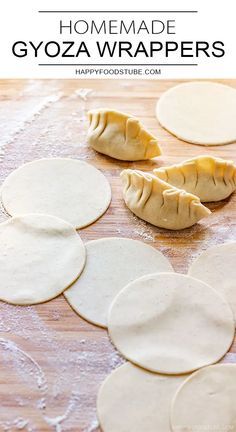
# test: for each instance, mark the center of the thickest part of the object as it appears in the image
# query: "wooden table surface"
(52, 361)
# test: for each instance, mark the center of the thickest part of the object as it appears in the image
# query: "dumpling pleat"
(159, 203)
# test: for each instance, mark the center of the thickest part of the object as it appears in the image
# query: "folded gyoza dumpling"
(120, 136)
(159, 203)
(210, 178)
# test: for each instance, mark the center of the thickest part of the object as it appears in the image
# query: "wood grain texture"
(67, 357)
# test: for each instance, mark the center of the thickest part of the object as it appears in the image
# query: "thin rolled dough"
(217, 267)
(111, 264)
(134, 400)
(170, 323)
(199, 112)
(206, 401)
(40, 256)
(67, 188)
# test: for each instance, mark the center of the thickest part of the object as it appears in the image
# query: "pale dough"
(67, 188)
(120, 136)
(134, 400)
(111, 264)
(217, 267)
(199, 112)
(208, 177)
(40, 256)
(170, 323)
(159, 203)
(206, 401)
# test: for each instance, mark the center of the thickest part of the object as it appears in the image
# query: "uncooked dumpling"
(67, 188)
(170, 323)
(159, 203)
(134, 400)
(120, 136)
(111, 264)
(40, 256)
(217, 267)
(199, 112)
(206, 401)
(210, 178)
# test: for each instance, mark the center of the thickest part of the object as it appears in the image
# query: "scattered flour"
(56, 421)
(57, 382)
(82, 93)
(143, 229)
(93, 427)
(20, 358)
(25, 118)
(18, 424)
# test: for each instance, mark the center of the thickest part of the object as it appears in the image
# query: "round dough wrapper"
(206, 401)
(134, 400)
(217, 267)
(199, 112)
(40, 256)
(171, 323)
(67, 188)
(111, 264)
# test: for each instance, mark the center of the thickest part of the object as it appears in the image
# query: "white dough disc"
(199, 112)
(217, 267)
(134, 400)
(206, 401)
(170, 323)
(67, 188)
(111, 264)
(40, 256)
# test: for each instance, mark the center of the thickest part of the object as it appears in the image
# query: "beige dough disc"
(206, 401)
(40, 256)
(199, 112)
(67, 188)
(134, 400)
(111, 264)
(217, 267)
(170, 323)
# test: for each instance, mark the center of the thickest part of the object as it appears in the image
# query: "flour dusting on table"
(56, 385)
(53, 378)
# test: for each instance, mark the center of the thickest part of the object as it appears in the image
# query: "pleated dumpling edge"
(208, 177)
(120, 136)
(159, 203)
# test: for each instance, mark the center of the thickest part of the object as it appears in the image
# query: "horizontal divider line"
(118, 64)
(164, 11)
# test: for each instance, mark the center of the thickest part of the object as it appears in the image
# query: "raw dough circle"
(111, 264)
(199, 112)
(217, 267)
(40, 256)
(171, 323)
(206, 401)
(134, 400)
(67, 188)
